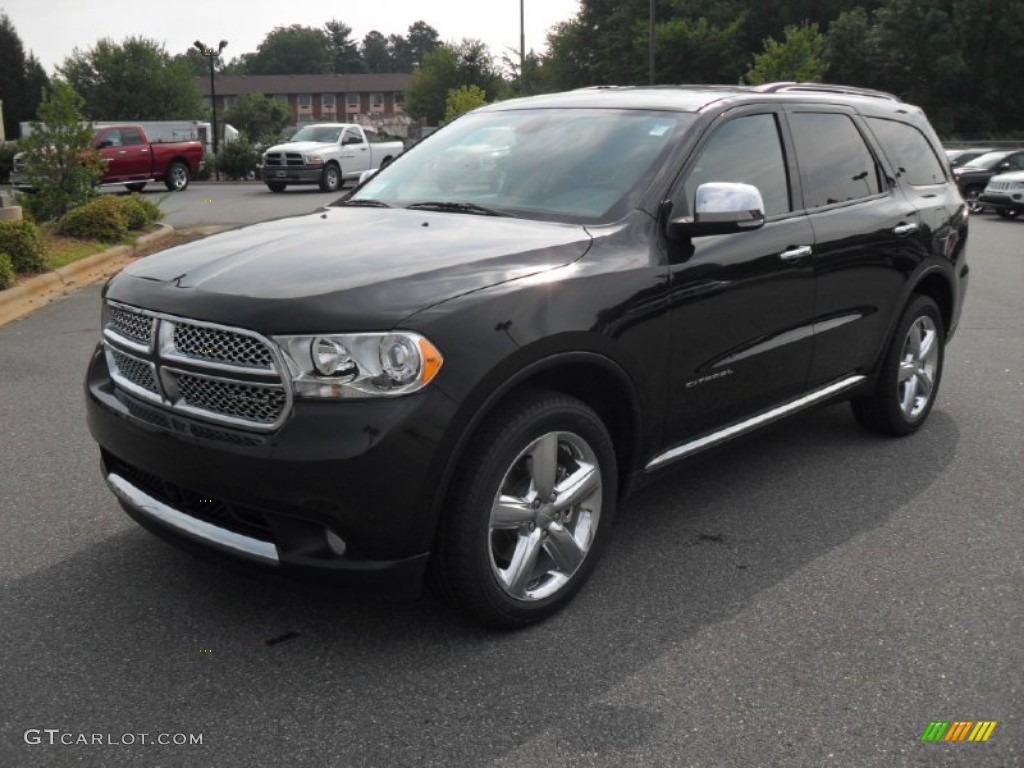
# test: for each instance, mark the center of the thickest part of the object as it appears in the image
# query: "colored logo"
(959, 730)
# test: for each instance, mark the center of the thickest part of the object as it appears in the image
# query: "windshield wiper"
(451, 206)
(365, 202)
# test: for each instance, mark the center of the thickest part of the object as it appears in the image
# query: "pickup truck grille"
(280, 159)
(225, 375)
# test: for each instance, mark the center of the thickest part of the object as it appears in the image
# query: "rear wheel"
(530, 513)
(973, 203)
(276, 186)
(177, 176)
(909, 379)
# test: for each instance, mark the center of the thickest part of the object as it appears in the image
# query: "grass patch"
(59, 251)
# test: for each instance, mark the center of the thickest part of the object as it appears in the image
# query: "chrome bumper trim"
(228, 541)
(754, 422)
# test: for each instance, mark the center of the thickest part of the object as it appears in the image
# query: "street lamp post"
(522, 48)
(212, 54)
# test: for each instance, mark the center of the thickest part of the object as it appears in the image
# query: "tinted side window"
(835, 163)
(911, 154)
(131, 136)
(352, 137)
(749, 150)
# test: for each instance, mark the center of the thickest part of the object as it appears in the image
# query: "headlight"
(314, 160)
(350, 365)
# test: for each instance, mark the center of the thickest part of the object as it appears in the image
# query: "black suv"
(460, 370)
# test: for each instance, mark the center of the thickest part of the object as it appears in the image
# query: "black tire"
(276, 186)
(135, 186)
(481, 542)
(903, 397)
(177, 177)
(971, 195)
(1008, 213)
(330, 179)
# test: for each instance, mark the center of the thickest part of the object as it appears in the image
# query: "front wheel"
(1008, 213)
(276, 186)
(530, 513)
(177, 176)
(909, 379)
(330, 180)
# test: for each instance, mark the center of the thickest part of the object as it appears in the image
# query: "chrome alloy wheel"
(918, 364)
(545, 516)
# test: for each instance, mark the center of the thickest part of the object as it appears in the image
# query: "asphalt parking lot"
(812, 596)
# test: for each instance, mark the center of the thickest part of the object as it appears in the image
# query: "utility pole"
(212, 54)
(522, 48)
(650, 46)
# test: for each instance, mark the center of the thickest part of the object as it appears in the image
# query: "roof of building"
(233, 85)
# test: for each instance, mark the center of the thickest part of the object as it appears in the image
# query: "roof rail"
(825, 88)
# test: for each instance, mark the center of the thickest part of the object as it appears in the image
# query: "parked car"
(958, 157)
(326, 154)
(1005, 194)
(131, 159)
(461, 378)
(973, 176)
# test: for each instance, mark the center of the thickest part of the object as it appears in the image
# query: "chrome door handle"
(797, 253)
(902, 230)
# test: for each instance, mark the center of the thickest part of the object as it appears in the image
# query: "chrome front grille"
(136, 372)
(258, 403)
(220, 346)
(212, 372)
(279, 159)
(138, 328)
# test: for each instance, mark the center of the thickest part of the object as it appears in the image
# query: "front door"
(742, 304)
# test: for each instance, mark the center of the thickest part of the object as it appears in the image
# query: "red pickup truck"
(131, 159)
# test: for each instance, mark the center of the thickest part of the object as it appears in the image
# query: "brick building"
(376, 100)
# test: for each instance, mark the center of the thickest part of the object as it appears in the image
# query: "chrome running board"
(754, 422)
(193, 528)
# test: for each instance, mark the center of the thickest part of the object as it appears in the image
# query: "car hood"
(343, 269)
(303, 146)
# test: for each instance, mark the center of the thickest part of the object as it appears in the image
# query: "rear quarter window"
(909, 152)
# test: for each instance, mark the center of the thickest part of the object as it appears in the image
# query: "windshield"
(562, 164)
(986, 161)
(324, 134)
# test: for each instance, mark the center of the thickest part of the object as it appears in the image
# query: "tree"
(344, 51)
(21, 82)
(448, 68)
(133, 80)
(798, 57)
(294, 50)
(59, 160)
(462, 100)
(376, 54)
(699, 51)
(259, 118)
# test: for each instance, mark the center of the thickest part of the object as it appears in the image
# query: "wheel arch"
(935, 285)
(591, 377)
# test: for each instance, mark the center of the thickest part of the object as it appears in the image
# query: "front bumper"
(1010, 201)
(292, 174)
(358, 469)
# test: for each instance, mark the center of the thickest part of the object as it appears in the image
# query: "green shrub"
(209, 166)
(237, 159)
(101, 219)
(23, 241)
(139, 213)
(7, 152)
(6, 271)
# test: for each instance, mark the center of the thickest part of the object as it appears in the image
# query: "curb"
(38, 290)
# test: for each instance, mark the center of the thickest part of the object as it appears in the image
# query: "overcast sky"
(53, 28)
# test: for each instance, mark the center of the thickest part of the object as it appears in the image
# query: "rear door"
(867, 239)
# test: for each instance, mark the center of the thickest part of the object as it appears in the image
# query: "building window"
(377, 101)
(304, 101)
(229, 101)
(399, 100)
(328, 103)
(352, 102)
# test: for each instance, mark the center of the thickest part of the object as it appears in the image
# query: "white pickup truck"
(326, 154)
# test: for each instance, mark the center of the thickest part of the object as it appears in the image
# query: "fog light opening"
(336, 543)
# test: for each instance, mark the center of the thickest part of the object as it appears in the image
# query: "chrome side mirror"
(721, 207)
